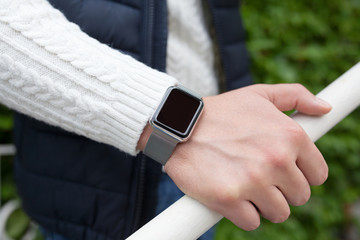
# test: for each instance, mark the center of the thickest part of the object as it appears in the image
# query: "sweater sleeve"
(52, 71)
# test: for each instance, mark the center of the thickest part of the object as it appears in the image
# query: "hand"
(245, 157)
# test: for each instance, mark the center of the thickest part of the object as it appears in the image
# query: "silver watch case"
(162, 141)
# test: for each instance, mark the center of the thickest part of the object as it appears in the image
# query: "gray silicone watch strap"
(160, 147)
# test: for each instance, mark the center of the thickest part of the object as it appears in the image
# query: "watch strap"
(159, 147)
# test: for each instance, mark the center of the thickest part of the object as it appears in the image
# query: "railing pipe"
(7, 150)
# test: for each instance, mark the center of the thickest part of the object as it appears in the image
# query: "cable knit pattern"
(52, 71)
(190, 56)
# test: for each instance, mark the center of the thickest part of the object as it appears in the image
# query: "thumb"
(294, 96)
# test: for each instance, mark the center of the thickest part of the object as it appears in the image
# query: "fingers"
(272, 201)
(272, 205)
(307, 156)
(269, 203)
(294, 186)
(312, 164)
(294, 96)
(243, 214)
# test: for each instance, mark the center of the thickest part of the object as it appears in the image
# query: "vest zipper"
(139, 194)
(148, 60)
(148, 56)
(213, 27)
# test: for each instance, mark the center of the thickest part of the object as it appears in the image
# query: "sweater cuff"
(55, 73)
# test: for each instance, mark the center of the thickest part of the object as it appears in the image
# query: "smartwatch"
(173, 122)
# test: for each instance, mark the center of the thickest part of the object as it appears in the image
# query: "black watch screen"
(179, 112)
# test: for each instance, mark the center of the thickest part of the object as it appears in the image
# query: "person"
(84, 176)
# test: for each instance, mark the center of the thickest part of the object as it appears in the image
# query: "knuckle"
(252, 224)
(279, 158)
(320, 175)
(303, 198)
(255, 177)
(227, 194)
(299, 87)
(323, 175)
(295, 133)
(282, 216)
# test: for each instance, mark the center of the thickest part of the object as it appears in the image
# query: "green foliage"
(17, 224)
(309, 42)
(8, 190)
(6, 125)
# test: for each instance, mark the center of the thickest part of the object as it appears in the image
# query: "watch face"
(179, 112)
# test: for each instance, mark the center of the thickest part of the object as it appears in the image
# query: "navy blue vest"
(82, 189)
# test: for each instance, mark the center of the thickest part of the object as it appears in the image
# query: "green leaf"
(17, 224)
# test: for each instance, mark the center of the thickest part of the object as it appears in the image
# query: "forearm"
(52, 71)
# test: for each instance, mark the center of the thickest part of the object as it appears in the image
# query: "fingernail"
(323, 103)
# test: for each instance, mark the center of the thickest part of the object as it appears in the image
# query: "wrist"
(144, 137)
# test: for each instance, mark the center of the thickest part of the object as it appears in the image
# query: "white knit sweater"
(190, 56)
(52, 71)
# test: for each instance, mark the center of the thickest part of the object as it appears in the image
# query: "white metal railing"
(188, 219)
(5, 213)
(11, 206)
(5, 150)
